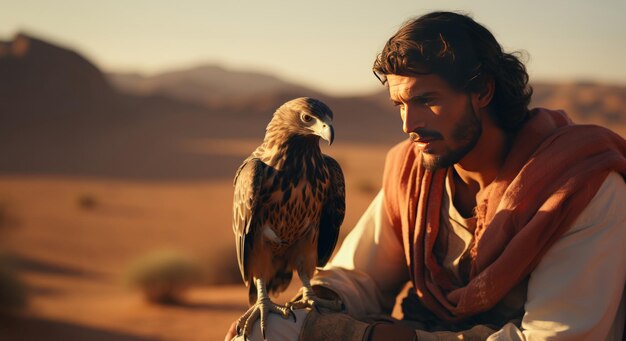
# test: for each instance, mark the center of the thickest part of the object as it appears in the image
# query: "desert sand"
(73, 258)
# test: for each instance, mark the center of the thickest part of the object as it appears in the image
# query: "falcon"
(289, 203)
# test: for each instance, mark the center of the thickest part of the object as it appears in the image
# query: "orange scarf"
(553, 170)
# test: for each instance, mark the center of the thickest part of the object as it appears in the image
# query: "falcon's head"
(304, 116)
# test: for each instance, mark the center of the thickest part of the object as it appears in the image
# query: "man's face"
(440, 120)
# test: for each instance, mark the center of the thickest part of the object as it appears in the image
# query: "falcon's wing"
(332, 213)
(247, 184)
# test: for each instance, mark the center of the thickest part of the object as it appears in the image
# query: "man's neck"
(479, 168)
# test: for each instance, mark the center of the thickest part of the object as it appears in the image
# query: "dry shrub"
(164, 276)
(12, 290)
(87, 201)
(222, 267)
(7, 219)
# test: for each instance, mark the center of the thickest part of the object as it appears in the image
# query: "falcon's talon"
(314, 302)
(260, 311)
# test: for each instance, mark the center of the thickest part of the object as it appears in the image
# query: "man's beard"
(467, 132)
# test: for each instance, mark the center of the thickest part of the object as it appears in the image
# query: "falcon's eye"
(306, 118)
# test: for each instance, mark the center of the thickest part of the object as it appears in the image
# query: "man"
(507, 222)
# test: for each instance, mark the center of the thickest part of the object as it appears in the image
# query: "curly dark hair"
(462, 52)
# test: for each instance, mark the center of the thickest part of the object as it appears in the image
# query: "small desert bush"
(221, 266)
(164, 276)
(87, 201)
(8, 219)
(12, 290)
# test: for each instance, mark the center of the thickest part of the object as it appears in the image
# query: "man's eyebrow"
(423, 95)
(414, 97)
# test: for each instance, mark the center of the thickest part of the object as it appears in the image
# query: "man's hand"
(320, 291)
(339, 326)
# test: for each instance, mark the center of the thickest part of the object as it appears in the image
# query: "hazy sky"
(329, 45)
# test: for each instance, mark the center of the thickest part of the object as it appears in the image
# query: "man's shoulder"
(606, 205)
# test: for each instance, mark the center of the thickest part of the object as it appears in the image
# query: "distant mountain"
(215, 87)
(586, 102)
(36, 74)
(59, 114)
(212, 86)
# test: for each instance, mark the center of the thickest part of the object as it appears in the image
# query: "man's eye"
(423, 100)
(306, 118)
(399, 104)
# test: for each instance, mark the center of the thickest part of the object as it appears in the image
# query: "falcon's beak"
(324, 129)
(328, 134)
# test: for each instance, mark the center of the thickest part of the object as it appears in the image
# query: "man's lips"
(425, 138)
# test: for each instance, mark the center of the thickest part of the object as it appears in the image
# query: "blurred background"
(122, 124)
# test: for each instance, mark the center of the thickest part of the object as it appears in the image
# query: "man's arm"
(576, 291)
(367, 274)
(369, 269)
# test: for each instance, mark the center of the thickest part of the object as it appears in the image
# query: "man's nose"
(411, 120)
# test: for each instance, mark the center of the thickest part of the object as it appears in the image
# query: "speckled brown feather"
(287, 184)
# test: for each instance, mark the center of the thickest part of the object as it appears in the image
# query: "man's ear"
(485, 95)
